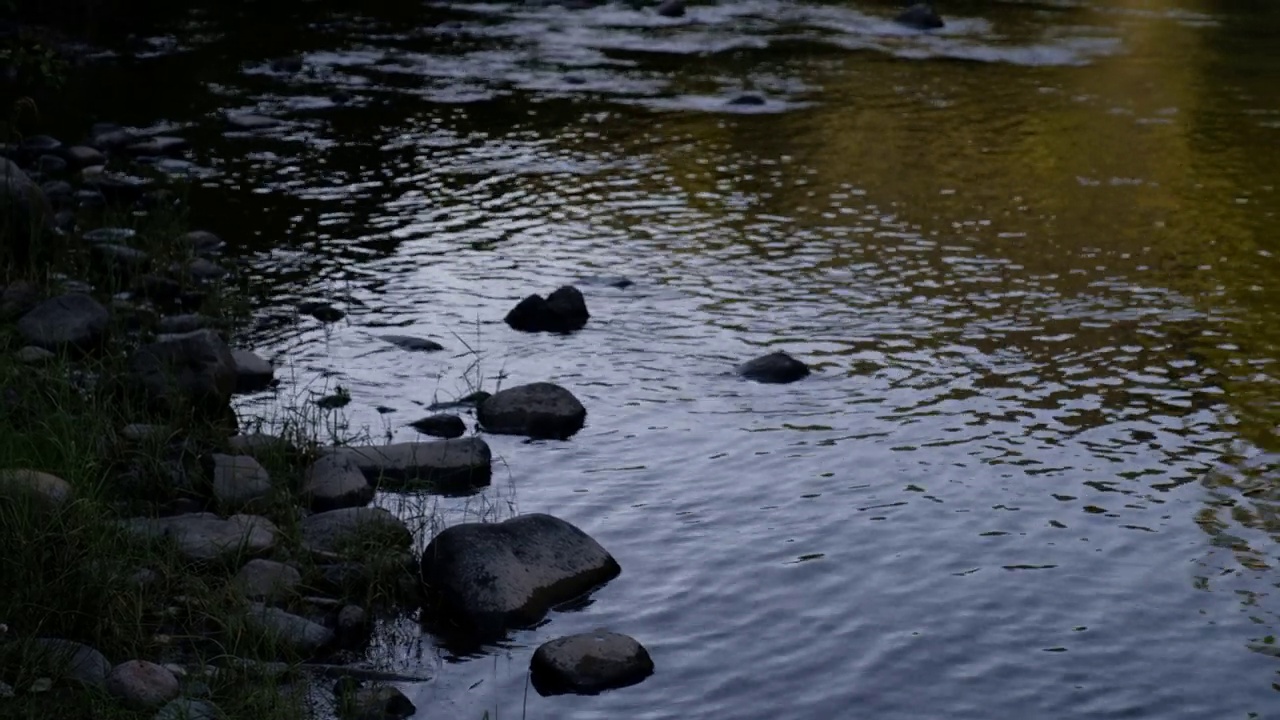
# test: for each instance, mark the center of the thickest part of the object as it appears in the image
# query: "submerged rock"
(252, 371)
(589, 663)
(563, 311)
(448, 465)
(374, 702)
(671, 8)
(416, 344)
(777, 367)
(74, 320)
(322, 311)
(444, 426)
(251, 122)
(140, 684)
(536, 410)
(747, 100)
(920, 16)
(497, 576)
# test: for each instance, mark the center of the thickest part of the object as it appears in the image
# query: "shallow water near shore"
(1031, 258)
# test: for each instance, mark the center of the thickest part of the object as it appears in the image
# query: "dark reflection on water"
(1030, 257)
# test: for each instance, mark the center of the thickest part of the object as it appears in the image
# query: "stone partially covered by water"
(563, 311)
(536, 410)
(589, 663)
(334, 482)
(496, 576)
(195, 367)
(449, 465)
(777, 367)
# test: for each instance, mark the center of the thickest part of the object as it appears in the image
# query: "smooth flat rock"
(443, 426)
(140, 684)
(536, 410)
(73, 320)
(777, 367)
(334, 482)
(46, 491)
(69, 660)
(253, 373)
(297, 633)
(416, 344)
(497, 576)
(335, 531)
(205, 537)
(448, 465)
(239, 481)
(261, 579)
(261, 445)
(589, 663)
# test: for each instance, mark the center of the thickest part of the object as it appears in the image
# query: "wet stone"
(252, 372)
(335, 482)
(332, 532)
(157, 145)
(140, 684)
(408, 342)
(444, 426)
(251, 122)
(536, 410)
(47, 491)
(298, 633)
(374, 702)
(201, 242)
(589, 663)
(51, 165)
(777, 367)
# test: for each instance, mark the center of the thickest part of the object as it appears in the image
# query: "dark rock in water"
(196, 368)
(252, 372)
(589, 663)
(334, 401)
(445, 426)
(671, 8)
(469, 400)
(747, 100)
(322, 311)
(536, 410)
(374, 702)
(456, 465)
(563, 311)
(920, 16)
(408, 342)
(68, 321)
(341, 97)
(613, 281)
(777, 367)
(498, 576)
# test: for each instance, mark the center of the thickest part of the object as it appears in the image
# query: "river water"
(1030, 256)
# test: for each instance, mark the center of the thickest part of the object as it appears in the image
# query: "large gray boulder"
(73, 321)
(195, 368)
(456, 465)
(537, 410)
(497, 576)
(589, 663)
(205, 537)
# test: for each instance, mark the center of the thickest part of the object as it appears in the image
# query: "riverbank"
(157, 561)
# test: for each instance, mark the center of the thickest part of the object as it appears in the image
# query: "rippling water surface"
(1030, 257)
